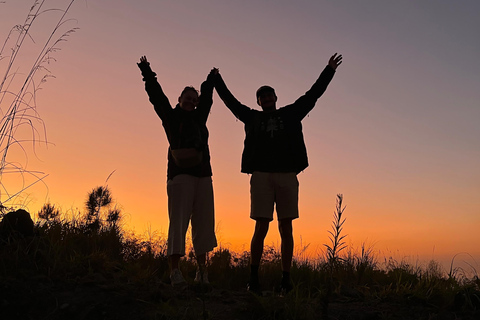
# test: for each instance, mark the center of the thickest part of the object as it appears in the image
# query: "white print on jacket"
(273, 124)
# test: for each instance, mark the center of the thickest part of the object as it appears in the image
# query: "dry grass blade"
(20, 123)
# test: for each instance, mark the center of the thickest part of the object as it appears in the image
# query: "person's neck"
(269, 109)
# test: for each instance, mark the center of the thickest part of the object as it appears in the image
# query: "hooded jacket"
(184, 129)
(274, 140)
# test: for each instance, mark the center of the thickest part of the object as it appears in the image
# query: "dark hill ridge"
(94, 297)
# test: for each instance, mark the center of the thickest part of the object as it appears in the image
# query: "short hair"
(187, 88)
(264, 89)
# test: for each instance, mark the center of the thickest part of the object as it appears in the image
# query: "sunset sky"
(397, 131)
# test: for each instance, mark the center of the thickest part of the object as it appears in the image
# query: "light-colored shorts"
(269, 188)
(190, 198)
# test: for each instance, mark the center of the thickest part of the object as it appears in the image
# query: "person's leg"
(202, 260)
(201, 275)
(286, 233)
(262, 198)
(174, 259)
(203, 226)
(180, 202)
(203, 219)
(256, 251)
(256, 246)
(261, 210)
(286, 196)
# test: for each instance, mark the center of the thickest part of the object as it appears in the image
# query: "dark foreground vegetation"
(85, 266)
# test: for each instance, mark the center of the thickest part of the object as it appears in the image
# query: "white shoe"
(176, 278)
(201, 278)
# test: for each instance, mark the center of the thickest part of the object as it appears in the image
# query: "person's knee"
(285, 227)
(262, 224)
(261, 227)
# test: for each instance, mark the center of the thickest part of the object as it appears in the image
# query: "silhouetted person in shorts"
(189, 173)
(274, 153)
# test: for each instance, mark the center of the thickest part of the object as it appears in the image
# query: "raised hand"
(213, 73)
(335, 61)
(143, 59)
(144, 65)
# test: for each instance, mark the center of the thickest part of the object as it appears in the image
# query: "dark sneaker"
(176, 278)
(201, 277)
(285, 287)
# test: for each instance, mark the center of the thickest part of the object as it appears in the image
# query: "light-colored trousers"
(191, 198)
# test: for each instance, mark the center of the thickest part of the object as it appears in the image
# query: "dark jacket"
(274, 140)
(184, 129)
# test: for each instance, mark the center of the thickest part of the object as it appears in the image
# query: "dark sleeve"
(303, 105)
(205, 100)
(155, 93)
(239, 110)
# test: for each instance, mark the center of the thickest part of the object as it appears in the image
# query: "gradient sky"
(397, 131)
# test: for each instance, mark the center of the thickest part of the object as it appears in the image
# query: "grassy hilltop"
(85, 266)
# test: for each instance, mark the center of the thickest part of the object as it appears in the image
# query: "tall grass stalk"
(18, 92)
(333, 254)
(336, 238)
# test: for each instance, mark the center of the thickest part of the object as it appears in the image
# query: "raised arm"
(205, 100)
(239, 110)
(305, 103)
(155, 93)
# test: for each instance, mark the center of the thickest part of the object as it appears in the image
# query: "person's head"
(266, 98)
(188, 99)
